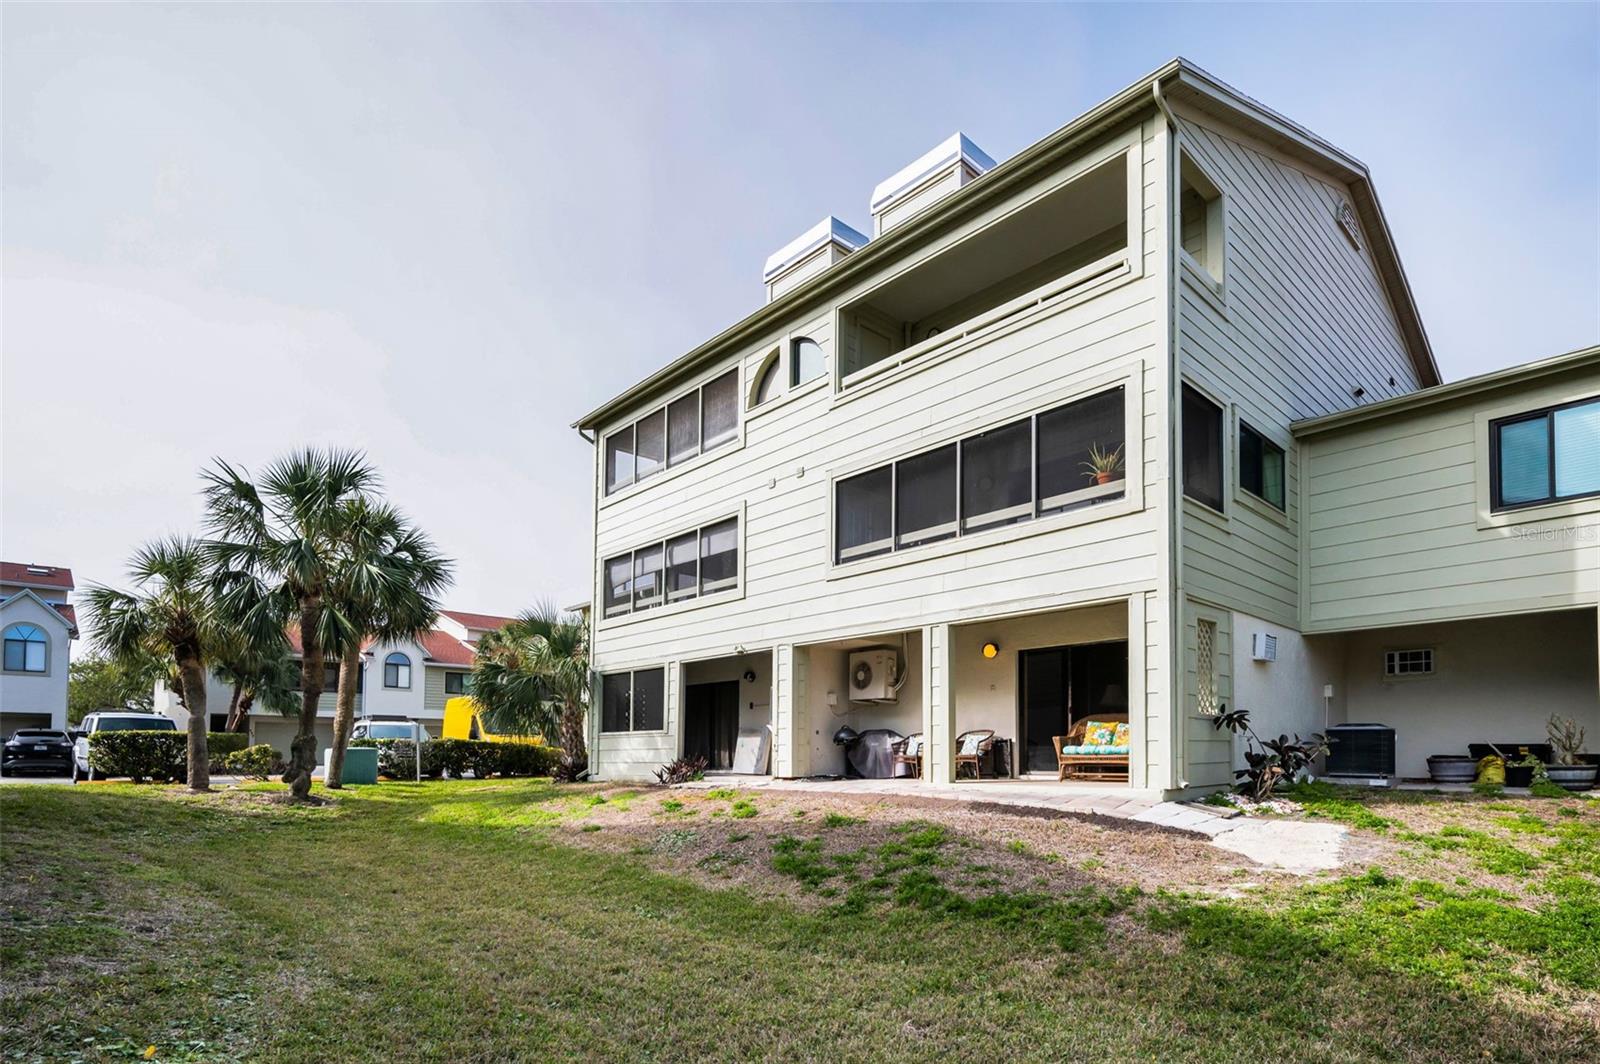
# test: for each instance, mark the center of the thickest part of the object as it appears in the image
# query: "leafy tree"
(387, 583)
(278, 549)
(101, 682)
(264, 674)
(532, 677)
(172, 616)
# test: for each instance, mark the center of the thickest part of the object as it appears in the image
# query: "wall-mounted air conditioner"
(874, 674)
(1263, 647)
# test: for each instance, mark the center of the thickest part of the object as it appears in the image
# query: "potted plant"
(1103, 466)
(1568, 769)
(1522, 771)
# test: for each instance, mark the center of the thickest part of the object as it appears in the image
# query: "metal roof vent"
(809, 254)
(940, 172)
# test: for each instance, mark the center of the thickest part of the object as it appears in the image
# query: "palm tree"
(278, 551)
(266, 675)
(389, 578)
(532, 677)
(171, 614)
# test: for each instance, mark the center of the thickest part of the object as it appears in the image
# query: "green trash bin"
(360, 764)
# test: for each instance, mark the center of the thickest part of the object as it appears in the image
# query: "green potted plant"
(1103, 466)
(1568, 769)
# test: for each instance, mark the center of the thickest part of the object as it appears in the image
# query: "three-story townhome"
(1025, 457)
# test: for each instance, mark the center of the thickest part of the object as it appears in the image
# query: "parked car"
(111, 720)
(388, 728)
(37, 749)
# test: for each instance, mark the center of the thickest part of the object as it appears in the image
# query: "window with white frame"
(769, 379)
(1200, 218)
(1414, 662)
(26, 648)
(700, 421)
(1202, 449)
(397, 670)
(701, 561)
(805, 361)
(1063, 459)
(633, 701)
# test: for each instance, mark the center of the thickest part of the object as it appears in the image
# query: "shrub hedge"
(457, 757)
(156, 755)
(254, 762)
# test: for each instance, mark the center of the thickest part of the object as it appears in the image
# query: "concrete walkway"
(1295, 846)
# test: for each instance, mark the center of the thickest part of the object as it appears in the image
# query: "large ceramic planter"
(1572, 777)
(1452, 768)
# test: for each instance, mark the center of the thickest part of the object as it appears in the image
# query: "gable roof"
(59, 610)
(31, 574)
(477, 620)
(445, 649)
(1178, 79)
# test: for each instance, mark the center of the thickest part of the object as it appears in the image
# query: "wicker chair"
(978, 741)
(908, 751)
(1089, 766)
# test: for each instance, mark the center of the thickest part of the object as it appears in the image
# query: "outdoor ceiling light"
(991, 650)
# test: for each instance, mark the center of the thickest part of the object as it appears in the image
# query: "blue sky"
(443, 233)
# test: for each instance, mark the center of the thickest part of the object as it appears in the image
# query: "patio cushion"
(1101, 733)
(914, 746)
(1095, 748)
(970, 744)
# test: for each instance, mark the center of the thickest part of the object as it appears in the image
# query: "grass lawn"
(516, 920)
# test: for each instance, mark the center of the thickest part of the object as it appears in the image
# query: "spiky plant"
(532, 678)
(171, 614)
(278, 548)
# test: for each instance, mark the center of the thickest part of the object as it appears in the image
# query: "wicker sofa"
(1078, 759)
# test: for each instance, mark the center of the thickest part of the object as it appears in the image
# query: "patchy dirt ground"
(811, 847)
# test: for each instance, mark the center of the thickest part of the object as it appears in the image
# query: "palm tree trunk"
(573, 753)
(303, 750)
(193, 677)
(344, 712)
(235, 717)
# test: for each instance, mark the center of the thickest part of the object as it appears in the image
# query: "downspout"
(1174, 603)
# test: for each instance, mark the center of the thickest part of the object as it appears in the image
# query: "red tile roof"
(66, 610)
(478, 620)
(446, 649)
(37, 575)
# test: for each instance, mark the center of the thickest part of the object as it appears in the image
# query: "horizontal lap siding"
(1303, 320)
(1392, 522)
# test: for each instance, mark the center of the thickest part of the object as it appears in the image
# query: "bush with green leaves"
(253, 762)
(458, 757)
(154, 755)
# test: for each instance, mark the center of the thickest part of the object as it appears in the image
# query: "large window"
(1546, 456)
(1200, 218)
(698, 562)
(633, 701)
(1261, 467)
(1064, 459)
(26, 648)
(692, 424)
(397, 671)
(457, 683)
(1202, 449)
(1047, 251)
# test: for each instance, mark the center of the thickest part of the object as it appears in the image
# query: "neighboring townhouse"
(411, 678)
(1071, 436)
(38, 625)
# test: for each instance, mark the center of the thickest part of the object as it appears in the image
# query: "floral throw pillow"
(1100, 733)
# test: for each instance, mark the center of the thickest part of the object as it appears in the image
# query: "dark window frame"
(1219, 438)
(463, 685)
(701, 448)
(1258, 489)
(633, 701)
(1092, 496)
(1496, 503)
(24, 642)
(389, 662)
(664, 596)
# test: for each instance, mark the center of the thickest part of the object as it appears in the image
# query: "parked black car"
(36, 750)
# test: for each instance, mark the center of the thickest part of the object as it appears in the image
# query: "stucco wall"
(1284, 697)
(1495, 680)
(38, 694)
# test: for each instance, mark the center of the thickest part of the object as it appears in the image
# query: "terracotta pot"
(1103, 478)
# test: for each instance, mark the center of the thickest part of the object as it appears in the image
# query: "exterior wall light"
(991, 650)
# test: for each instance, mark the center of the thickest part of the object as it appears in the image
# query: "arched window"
(805, 361)
(397, 670)
(26, 647)
(767, 381)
